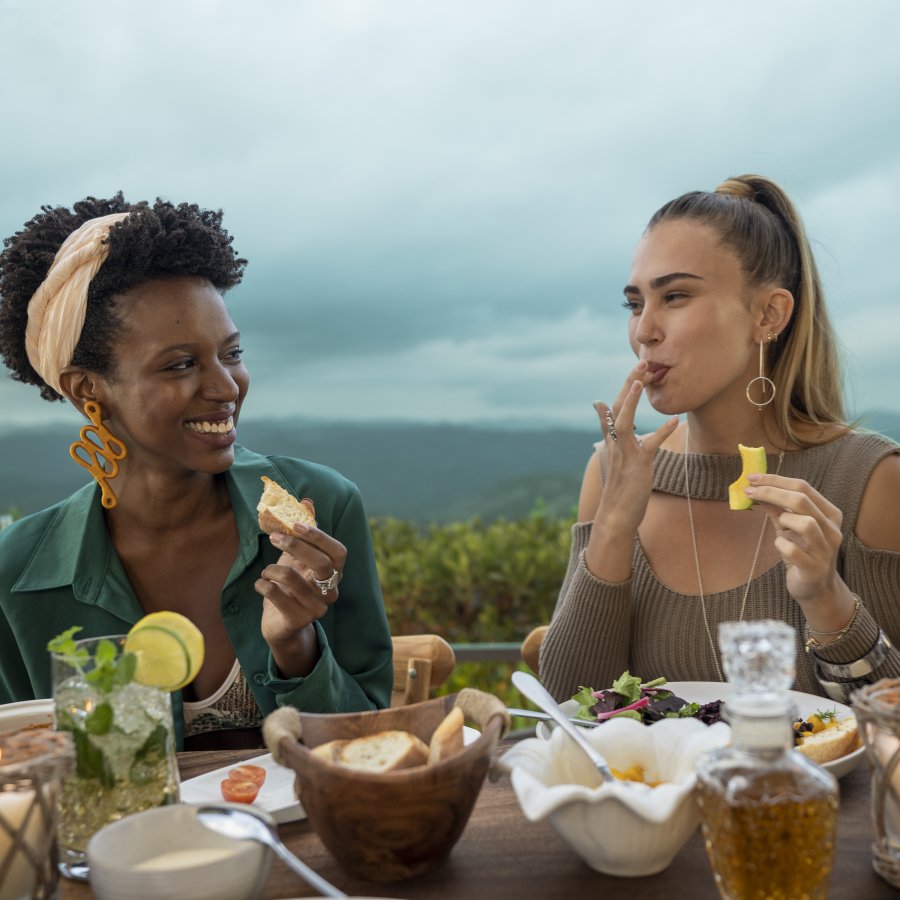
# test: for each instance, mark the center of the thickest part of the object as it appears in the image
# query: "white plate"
(25, 714)
(807, 704)
(276, 796)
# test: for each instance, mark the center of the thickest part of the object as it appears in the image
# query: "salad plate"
(26, 714)
(708, 691)
(276, 796)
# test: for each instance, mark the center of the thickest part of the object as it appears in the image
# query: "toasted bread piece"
(279, 510)
(832, 743)
(330, 751)
(448, 736)
(386, 751)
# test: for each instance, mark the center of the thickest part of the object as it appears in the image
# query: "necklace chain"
(687, 491)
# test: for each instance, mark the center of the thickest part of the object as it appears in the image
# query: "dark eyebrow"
(188, 348)
(662, 281)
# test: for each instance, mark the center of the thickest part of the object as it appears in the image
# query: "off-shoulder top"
(600, 629)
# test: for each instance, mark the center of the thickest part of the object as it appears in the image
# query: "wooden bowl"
(393, 825)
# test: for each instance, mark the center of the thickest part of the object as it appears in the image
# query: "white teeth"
(212, 427)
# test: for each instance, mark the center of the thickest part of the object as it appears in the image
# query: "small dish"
(167, 852)
(26, 714)
(276, 797)
(620, 828)
(708, 691)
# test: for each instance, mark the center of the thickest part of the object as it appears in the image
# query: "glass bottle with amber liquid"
(769, 814)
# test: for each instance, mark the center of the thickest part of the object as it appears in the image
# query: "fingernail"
(636, 386)
(754, 479)
(749, 491)
(642, 365)
(598, 407)
(276, 539)
(300, 528)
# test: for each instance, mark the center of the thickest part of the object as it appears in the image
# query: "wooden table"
(503, 856)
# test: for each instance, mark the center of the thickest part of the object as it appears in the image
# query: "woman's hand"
(629, 479)
(808, 537)
(629, 459)
(292, 600)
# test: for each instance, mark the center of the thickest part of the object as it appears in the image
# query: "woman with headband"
(117, 308)
(727, 319)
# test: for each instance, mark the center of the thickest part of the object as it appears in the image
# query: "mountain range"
(420, 472)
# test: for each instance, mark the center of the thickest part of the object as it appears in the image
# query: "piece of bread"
(831, 743)
(386, 751)
(448, 736)
(279, 510)
(330, 751)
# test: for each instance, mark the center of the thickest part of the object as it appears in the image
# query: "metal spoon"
(244, 826)
(538, 694)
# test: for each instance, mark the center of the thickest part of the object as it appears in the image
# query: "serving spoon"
(531, 688)
(244, 826)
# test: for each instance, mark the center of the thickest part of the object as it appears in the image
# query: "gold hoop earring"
(766, 383)
(102, 450)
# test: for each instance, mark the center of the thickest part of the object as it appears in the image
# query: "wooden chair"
(421, 662)
(531, 648)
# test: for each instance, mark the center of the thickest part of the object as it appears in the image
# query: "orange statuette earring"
(767, 385)
(100, 452)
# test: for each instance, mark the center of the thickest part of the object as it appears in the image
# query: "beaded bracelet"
(812, 643)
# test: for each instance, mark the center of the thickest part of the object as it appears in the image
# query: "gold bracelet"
(812, 643)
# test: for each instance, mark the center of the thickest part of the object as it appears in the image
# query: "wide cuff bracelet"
(859, 668)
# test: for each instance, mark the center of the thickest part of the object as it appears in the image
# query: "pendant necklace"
(687, 492)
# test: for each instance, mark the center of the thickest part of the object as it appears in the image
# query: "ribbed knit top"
(600, 629)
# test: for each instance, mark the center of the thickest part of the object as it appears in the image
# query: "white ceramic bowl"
(129, 859)
(623, 828)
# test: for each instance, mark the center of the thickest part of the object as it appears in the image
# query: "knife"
(534, 714)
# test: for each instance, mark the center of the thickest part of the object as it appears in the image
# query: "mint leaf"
(105, 653)
(125, 667)
(90, 761)
(64, 643)
(99, 720)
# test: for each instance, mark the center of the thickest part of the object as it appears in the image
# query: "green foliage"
(473, 582)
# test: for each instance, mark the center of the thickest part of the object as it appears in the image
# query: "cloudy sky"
(439, 199)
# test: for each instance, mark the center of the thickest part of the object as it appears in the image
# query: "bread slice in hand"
(448, 736)
(386, 751)
(831, 743)
(279, 510)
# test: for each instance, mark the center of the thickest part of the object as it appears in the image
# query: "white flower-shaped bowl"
(622, 828)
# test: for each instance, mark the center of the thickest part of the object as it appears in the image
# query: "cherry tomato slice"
(239, 791)
(248, 772)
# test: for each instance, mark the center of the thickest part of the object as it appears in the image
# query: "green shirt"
(58, 568)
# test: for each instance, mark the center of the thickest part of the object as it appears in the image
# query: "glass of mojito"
(124, 742)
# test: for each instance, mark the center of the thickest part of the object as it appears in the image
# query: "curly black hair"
(154, 241)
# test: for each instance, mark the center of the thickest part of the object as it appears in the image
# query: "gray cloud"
(440, 200)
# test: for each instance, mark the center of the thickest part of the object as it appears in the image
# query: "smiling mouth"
(220, 427)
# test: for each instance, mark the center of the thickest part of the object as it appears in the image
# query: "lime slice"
(169, 649)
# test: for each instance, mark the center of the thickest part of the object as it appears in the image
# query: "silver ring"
(327, 584)
(610, 426)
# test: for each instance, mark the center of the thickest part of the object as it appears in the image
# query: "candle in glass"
(31, 766)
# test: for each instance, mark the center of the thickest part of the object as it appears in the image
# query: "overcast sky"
(440, 200)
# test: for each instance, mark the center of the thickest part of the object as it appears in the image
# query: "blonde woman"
(727, 319)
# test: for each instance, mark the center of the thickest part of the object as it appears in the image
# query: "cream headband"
(57, 309)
